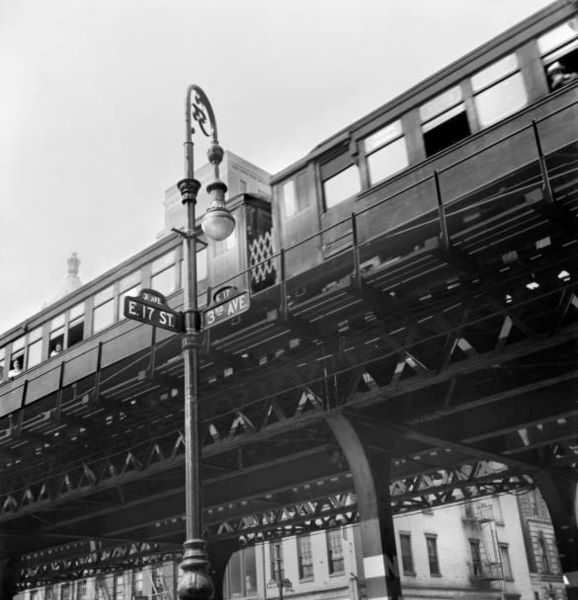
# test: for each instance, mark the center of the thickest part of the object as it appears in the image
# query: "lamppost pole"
(194, 579)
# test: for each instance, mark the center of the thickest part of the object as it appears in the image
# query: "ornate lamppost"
(194, 579)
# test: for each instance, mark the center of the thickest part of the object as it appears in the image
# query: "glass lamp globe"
(218, 223)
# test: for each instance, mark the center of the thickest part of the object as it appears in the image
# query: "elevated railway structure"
(425, 361)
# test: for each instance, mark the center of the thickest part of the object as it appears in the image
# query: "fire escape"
(485, 565)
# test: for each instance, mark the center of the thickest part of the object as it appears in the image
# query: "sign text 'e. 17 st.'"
(151, 307)
(236, 302)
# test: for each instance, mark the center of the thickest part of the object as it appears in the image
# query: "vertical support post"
(283, 286)
(98, 372)
(356, 255)
(546, 187)
(444, 234)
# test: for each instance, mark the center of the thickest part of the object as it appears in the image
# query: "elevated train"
(434, 166)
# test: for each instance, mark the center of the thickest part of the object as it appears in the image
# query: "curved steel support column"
(371, 480)
(561, 497)
(219, 555)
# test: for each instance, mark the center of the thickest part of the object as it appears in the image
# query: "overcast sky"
(92, 96)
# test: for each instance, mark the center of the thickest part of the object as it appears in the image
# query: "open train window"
(386, 152)
(444, 121)
(559, 51)
(498, 91)
(17, 357)
(56, 336)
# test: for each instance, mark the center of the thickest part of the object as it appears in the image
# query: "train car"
(86, 331)
(503, 114)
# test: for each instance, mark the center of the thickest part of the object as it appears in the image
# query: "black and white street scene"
(289, 300)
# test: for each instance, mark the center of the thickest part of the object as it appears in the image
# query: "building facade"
(496, 548)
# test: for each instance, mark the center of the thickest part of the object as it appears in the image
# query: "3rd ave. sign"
(151, 307)
(229, 302)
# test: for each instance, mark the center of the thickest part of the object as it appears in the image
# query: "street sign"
(231, 302)
(151, 307)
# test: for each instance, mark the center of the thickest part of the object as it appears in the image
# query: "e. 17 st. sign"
(151, 307)
(228, 303)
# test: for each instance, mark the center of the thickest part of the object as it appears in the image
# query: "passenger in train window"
(558, 77)
(16, 369)
(57, 350)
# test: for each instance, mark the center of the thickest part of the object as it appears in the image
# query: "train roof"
(471, 62)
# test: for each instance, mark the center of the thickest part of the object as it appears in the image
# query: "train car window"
(17, 357)
(294, 195)
(559, 51)
(444, 121)
(2, 363)
(76, 324)
(128, 286)
(202, 264)
(34, 354)
(56, 335)
(340, 178)
(164, 274)
(498, 91)
(340, 187)
(103, 311)
(386, 152)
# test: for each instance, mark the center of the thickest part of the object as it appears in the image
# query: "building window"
(406, 553)
(476, 557)
(444, 121)
(334, 539)
(119, 587)
(242, 186)
(432, 554)
(543, 551)
(2, 363)
(498, 91)
(506, 564)
(163, 274)
(65, 591)
(277, 568)
(305, 557)
(82, 593)
(559, 48)
(137, 583)
(103, 312)
(101, 591)
(241, 574)
(128, 286)
(35, 347)
(76, 325)
(17, 357)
